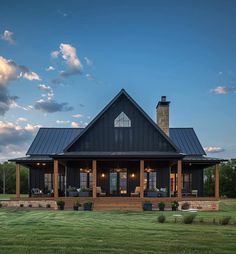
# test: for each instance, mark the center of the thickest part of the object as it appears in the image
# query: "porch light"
(103, 175)
(132, 175)
(44, 164)
(38, 164)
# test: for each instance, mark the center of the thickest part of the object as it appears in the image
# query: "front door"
(118, 182)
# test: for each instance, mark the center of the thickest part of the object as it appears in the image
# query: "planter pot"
(174, 208)
(161, 208)
(84, 194)
(61, 207)
(147, 207)
(88, 207)
(152, 194)
(73, 194)
(76, 208)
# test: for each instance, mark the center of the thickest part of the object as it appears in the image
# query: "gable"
(141, 135)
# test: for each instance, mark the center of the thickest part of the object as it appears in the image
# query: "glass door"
(118, 182)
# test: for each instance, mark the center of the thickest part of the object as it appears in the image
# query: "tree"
(209, 182)
(228, 179)
(8, 178)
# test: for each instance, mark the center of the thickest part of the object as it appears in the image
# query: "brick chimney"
(162, 114)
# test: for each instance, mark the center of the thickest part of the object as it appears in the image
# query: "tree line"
(227, 179)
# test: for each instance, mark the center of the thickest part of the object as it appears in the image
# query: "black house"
(122, 152)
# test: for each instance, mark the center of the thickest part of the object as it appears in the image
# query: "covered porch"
(171, 178)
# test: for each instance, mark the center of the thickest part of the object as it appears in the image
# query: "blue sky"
(185, 50)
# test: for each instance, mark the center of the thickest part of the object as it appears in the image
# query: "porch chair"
(36, 192)
(194, 193)
(136, 193)
(99, 192)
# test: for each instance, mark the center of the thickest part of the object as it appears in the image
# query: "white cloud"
(8, 36)
(50, 68)
(21, 119)
(68, 53)
(224, 90)
(15, 139)
(62, 121)
(75, 125)
(55, 54)
(213, 149)
(31, 76)
(88, 61)
(48, 89)
(77, 116)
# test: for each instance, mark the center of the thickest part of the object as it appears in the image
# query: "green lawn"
(113, 232)
(8, 196)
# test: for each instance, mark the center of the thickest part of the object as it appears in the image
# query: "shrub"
(161, 206)
(214, 220)
(225, 220)
(174, 205)
(76, 205)
(201, 220)
(48, 206)
(189, 218)
(60, 204)
(185, 206)
(161, 218)
(0, 205)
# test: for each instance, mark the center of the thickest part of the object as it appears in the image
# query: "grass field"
(8, 196)
(114, 232)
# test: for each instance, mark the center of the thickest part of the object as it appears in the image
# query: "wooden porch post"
(179, 172)
(55, 179)
(17, 180)
(217, 181)
(141, 178)
(94, 166)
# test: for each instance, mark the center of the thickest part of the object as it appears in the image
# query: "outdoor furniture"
(136, 193)
(195, 193)
(99, 192)
(36, 192)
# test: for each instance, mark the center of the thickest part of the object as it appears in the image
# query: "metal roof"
(202, 159)
(187, 141)
(50, 141)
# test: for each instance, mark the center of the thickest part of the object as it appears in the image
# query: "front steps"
(117, 204)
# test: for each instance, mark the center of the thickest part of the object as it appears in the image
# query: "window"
(86, 178)
(187, 182)
(48, 179)
(152, 180)
(83, 180)
(122, 120)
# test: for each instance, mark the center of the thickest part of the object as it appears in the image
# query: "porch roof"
(32, 159)
(202, 159)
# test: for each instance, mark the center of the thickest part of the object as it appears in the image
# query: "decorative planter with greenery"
(152, 193)
(174, 205)
(147, 206)
(72, 192)
(60, 204)
(88, 206)
(77, 205)
(185, 206)
(84, 192)
(161, 206)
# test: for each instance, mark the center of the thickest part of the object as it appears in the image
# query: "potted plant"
(147, 206)
(161, 206)
(72, 192)
(60, 204)
(84, 192)
(174, 205)
(77, 205)
(88, 206)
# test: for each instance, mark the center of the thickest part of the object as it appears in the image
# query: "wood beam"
(55, 178)
(141, 178)
(17, 180)
(179, 179)
(94, 166)
(217, 181)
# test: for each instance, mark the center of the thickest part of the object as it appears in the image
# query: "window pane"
(122, 120)
(83, 180)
